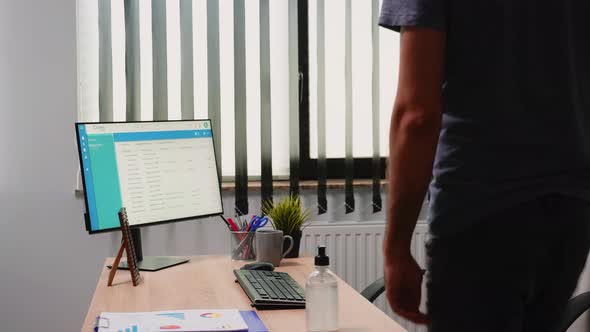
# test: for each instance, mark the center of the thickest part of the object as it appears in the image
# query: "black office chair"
(375, 289)
(574, 309)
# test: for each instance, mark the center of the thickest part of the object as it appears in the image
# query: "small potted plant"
(288, 216)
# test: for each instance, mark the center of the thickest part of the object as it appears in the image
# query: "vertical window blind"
(258, 69)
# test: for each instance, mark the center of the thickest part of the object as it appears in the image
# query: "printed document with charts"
(175, 320)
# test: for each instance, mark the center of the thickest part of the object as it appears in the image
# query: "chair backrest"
(574, 309)
(375, 289)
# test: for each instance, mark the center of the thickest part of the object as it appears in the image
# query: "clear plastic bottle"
(321, 296)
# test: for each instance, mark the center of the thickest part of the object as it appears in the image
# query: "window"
(325, 32)
(95, 31)
(123, 45)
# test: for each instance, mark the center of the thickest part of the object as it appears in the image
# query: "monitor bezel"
(87, 216)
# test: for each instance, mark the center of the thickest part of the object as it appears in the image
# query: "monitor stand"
(150, 263)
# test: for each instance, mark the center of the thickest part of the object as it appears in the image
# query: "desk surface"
(207, 282)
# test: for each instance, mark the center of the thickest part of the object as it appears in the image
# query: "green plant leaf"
(287, 214)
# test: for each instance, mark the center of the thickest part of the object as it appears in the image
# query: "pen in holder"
(242, 245)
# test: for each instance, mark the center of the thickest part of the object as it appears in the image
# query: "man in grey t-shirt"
(493, 111)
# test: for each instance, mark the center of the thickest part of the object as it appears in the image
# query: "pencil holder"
(242, 246)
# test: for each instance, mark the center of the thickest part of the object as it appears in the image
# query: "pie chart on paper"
(210, 315)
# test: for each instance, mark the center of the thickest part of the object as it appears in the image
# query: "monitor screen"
(159, 171)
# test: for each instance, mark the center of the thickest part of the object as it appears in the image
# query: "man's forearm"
(414, 131)
(413, 137)
(413, 141)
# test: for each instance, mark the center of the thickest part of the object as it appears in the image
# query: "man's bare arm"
(414, 132)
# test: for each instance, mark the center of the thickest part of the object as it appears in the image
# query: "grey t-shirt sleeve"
(417, 13)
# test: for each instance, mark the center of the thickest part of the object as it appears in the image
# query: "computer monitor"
(161, 171)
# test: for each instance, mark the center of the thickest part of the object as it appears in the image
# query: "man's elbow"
(416, 120)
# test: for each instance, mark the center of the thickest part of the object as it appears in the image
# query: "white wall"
(45, 260)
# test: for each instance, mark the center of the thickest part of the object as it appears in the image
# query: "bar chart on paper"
(133, 328)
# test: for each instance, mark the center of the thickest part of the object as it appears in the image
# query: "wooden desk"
(207, 282)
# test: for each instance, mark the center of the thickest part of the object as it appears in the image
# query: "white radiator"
(356, 255)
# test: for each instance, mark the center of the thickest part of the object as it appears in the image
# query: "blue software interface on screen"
(158, 171)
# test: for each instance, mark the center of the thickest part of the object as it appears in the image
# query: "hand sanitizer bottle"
(321, 293)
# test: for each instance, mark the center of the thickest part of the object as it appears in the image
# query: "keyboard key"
(292, 293)
(277, 291)
(268, 290)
